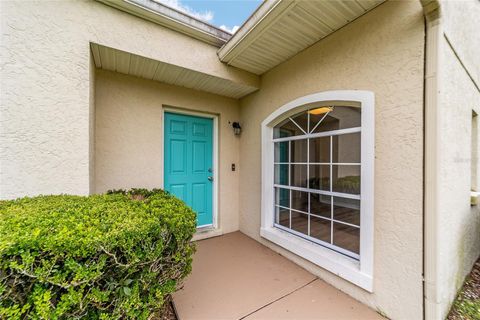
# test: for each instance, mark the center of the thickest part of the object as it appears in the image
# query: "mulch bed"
(169, 312)
(467, 304)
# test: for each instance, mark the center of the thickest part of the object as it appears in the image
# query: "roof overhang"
(172, 19)
(120, 61)
(431, 9)
(279, 29)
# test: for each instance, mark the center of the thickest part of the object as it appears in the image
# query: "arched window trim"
(359, 272)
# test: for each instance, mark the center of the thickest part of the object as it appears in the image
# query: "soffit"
(280, 29)
(127, 63)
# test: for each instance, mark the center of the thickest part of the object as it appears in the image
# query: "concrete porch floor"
(235, 277)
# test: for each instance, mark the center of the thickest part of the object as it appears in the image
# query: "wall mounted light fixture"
(237, 129)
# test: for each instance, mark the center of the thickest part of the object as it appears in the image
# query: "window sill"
(342, 266)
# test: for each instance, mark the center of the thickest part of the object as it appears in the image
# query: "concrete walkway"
(235, 277)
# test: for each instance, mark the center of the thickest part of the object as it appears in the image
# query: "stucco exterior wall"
(129, 134)
(46, 80)
(383, 52)
(460, 24)
(459, 223)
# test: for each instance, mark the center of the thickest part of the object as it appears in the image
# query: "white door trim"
(215, 158)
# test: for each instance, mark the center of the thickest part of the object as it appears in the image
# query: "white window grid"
(308, 135)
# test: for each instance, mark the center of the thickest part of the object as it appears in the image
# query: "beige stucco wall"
(460, 24)
(129, 133)
(459, 223)
(45, 99)
(383, 52)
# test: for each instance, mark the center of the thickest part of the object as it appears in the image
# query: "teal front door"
(188, 166)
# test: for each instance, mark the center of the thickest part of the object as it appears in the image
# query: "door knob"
(210, 178)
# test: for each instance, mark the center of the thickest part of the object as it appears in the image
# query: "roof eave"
(270, 36)
(172, 19)
(431, 8)
(268, 12)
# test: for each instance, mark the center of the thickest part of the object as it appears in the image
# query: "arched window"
(318, 181)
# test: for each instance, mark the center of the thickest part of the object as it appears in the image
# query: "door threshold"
(206, 232)
(204, 227)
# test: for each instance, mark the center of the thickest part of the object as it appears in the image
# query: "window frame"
(359, 272)
(307, 136)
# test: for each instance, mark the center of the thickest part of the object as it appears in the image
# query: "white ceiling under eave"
(280, 29)
(111, 59)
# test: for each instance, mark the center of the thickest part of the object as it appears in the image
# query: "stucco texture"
(458, 222)
(129, 134)
(460, 24)
(383, 52)
(45, 98)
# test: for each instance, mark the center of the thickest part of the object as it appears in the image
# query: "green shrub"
(109, 256)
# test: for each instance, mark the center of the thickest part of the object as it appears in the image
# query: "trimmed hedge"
(111, 256)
